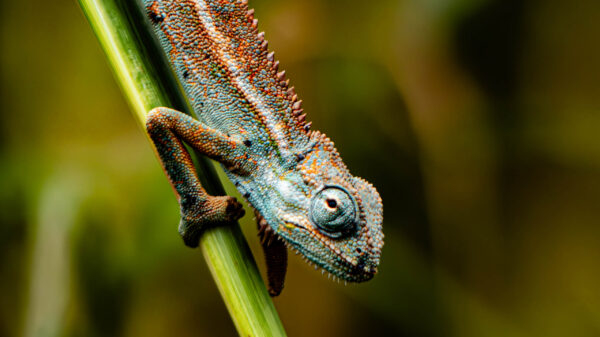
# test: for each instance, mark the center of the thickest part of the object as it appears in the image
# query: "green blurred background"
(477, 120)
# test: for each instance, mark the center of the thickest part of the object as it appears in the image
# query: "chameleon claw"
(215, 211)
(190, 233)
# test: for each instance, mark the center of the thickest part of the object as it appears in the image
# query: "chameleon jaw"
(337, 262)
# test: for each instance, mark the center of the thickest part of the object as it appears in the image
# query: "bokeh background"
(477, 120)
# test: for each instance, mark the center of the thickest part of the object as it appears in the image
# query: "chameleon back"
(228, 74)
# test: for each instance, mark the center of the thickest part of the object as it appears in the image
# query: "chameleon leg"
(275, 255)
(167, 129)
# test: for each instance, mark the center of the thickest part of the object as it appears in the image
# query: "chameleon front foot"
(214, 211)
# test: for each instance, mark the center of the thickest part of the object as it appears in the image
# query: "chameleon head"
(333, 218)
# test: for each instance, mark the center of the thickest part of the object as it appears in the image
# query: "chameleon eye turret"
(334, 211)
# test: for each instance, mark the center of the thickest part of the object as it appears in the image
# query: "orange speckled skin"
(251, 121)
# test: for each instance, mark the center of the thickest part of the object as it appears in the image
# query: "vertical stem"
(145, 78)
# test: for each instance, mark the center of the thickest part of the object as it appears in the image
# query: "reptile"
(251, 121)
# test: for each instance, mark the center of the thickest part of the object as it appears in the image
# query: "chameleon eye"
(333, 211)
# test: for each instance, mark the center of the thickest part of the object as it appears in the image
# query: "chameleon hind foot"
(213, 211)
(275, 255)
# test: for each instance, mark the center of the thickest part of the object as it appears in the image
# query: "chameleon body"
(251, 121)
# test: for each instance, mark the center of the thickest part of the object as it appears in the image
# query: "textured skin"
(275, 255)
(251, 121)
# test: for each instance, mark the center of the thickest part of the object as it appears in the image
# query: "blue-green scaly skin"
(251, 121)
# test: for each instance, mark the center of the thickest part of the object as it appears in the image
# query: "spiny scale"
(219, 39)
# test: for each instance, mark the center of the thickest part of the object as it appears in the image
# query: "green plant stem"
(147, 82)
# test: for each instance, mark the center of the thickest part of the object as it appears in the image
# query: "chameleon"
(250, 120)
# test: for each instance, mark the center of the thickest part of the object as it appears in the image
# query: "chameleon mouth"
(365, 271)
(342, 268)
